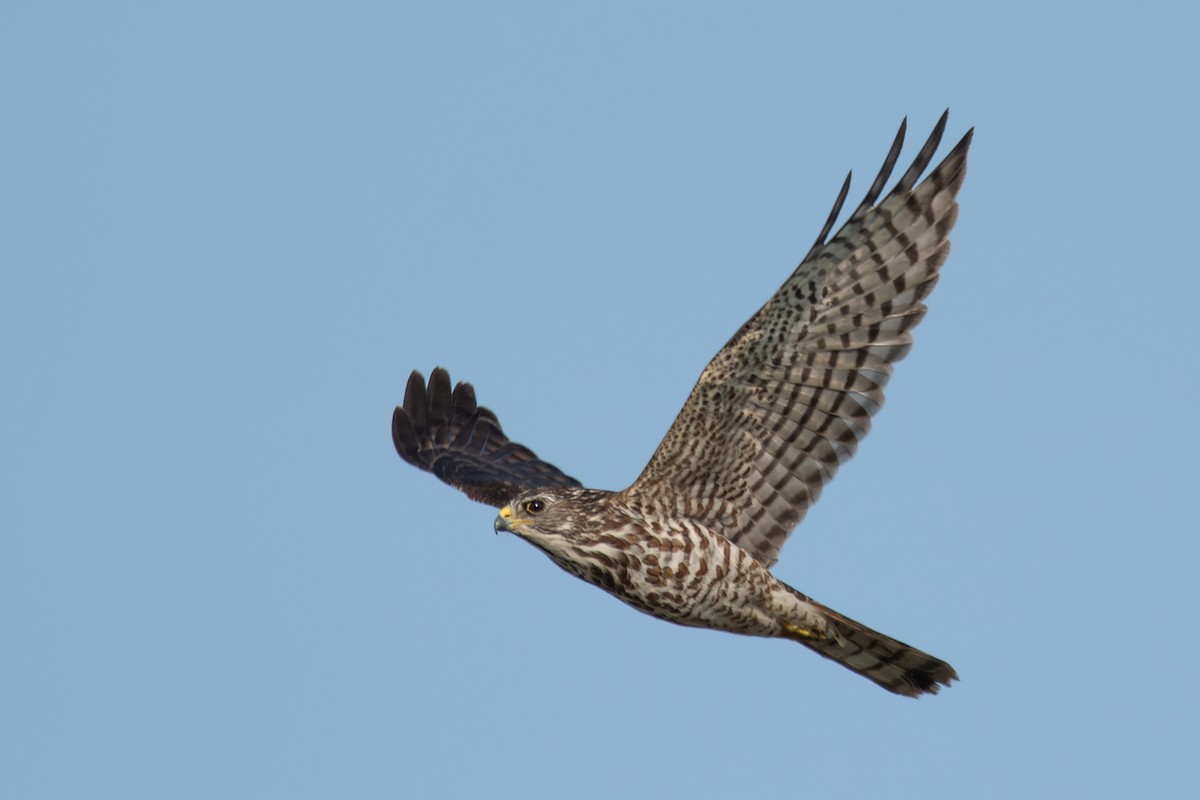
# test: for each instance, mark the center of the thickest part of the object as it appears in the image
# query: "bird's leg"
(803, 634)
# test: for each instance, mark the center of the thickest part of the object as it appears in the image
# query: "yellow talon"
(804, 633)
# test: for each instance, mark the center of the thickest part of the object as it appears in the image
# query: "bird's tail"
(892, 664)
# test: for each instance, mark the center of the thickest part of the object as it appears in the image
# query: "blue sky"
(229, 231)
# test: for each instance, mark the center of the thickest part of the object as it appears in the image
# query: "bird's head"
(550, 517)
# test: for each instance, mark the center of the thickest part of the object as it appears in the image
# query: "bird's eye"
(535, 506)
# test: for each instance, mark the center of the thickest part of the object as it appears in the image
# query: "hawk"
(775, 413)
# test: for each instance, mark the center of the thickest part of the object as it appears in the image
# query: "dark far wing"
(788, 399)
(445, 432)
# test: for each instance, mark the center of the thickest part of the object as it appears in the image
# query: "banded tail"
(892, 664)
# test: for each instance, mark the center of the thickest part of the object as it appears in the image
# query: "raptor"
(771, 419)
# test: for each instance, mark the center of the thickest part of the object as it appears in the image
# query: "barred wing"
(446, 433)
(788, 399)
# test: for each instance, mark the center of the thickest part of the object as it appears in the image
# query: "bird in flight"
(767, 425)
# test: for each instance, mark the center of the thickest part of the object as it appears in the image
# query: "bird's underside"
(770, 420)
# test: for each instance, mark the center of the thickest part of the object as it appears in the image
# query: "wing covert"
(445, 432)
(789, 397)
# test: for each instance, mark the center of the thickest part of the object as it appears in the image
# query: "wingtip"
(416, 402)
(439, 380)
(445, 431)
(404, 437)
(416, 384)
(463, 399)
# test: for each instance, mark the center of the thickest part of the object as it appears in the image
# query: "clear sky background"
(228, 231)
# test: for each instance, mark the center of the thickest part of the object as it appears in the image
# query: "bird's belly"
(696, 579)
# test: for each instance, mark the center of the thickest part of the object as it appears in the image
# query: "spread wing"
(446, 433)
(788, 399)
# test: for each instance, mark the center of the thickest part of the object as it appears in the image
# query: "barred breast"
(683, 573)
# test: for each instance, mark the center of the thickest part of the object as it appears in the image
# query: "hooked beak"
(503, 520)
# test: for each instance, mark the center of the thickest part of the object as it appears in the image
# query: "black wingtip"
(885, 171)
(833, 215)
(909, 179)
(906, 182)
(445, 431)
(463, 400)
(953, 168)
(965, 142)
(415, 401)
(404, 438)
(439, 405)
